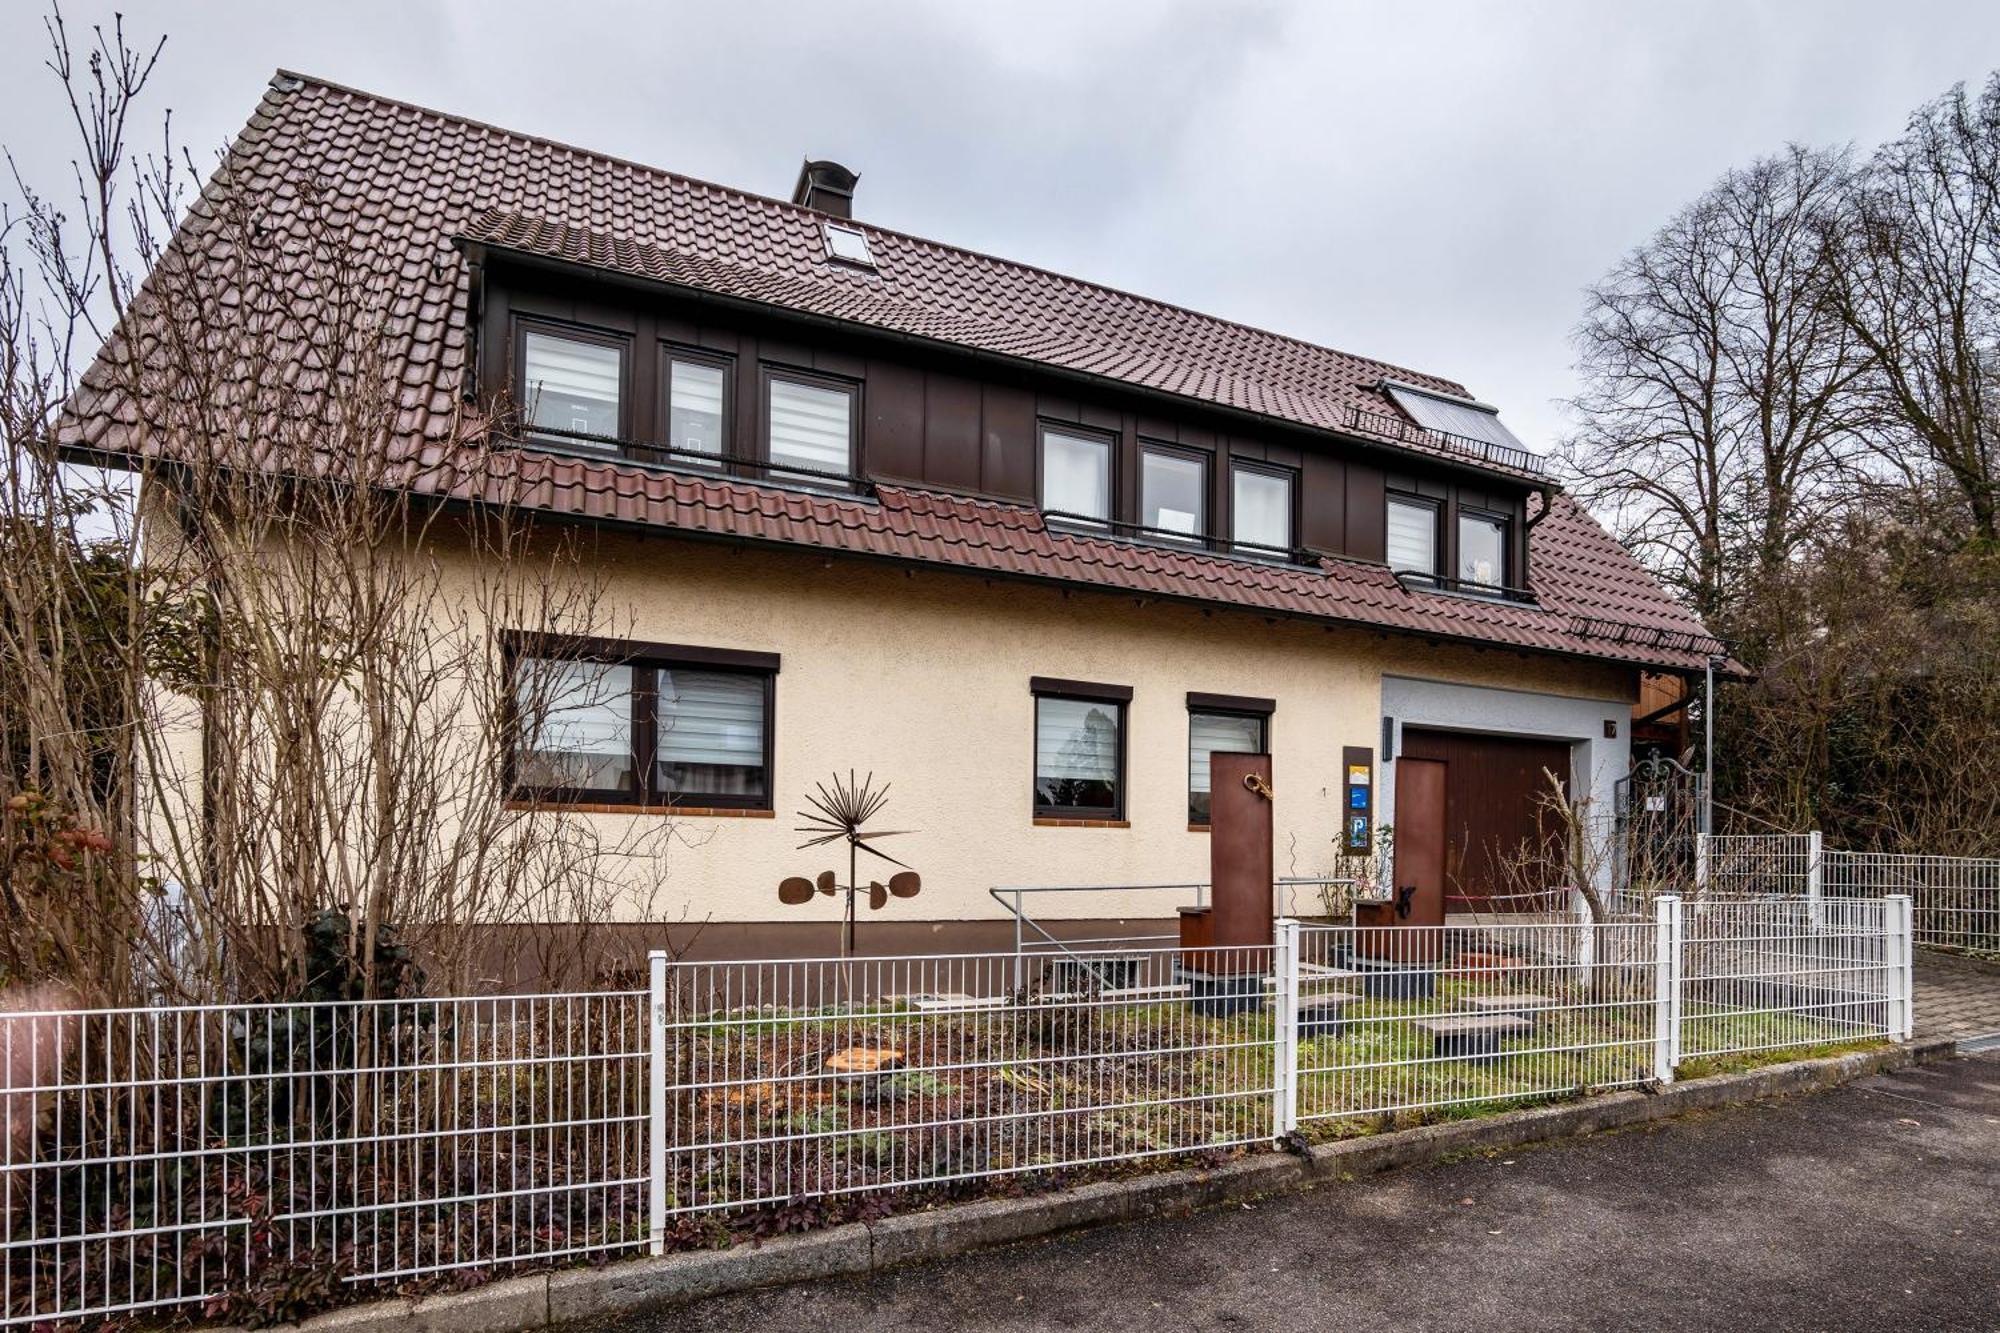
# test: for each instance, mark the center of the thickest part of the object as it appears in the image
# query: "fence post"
(1701, 865)
(1901, 911)
(1815, 882)
(656, 1100)
(1666, 986)
(1285, 1110)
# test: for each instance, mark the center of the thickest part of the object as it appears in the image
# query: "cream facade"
(922, 678)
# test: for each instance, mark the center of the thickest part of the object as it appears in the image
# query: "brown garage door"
(1496, 814)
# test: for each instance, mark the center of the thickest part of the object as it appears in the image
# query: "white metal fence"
(166, 1156)
(1956, 899)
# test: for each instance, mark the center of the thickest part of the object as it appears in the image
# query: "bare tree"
(266, 698)
(1717, 381)
(1913, 269)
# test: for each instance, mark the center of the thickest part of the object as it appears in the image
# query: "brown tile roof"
(409, 185)
(1581, 574)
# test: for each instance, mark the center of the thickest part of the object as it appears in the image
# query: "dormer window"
(849, 245)
(571, 386)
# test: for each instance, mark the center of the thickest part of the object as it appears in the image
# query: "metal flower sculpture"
(838, 814)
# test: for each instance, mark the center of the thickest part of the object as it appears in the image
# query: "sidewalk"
(1957, 997)
(1862, 1208)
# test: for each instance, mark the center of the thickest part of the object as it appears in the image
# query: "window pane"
(809, 427)
(1482, 550)
(576, 725)
(1262, 508)
(1076, 474)
(1412, 537)
(711, 734)
(694, 407)
(572, 385)
(1173, 493)
(1207, 733)
(1076, 755)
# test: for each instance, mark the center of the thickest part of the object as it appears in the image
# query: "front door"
(1419, 849)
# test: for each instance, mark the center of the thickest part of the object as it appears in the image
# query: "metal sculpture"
(837, 814)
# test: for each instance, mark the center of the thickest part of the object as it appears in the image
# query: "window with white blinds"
(1230, 733)
(1261, 507)
(711, 733)
(1078, 757)
(576, 724)
(1412, 536)
(811, 425)
(1076, 474)
(571, 385)
(648, 729)
(694, 408)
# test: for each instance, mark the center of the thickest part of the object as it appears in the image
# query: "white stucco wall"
(922, 678)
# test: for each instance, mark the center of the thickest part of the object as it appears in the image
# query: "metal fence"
(158, 1157)
(165, 1156)
(1956, 899)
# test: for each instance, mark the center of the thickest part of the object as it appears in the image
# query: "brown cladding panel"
(894, 425)
(1007, 442)
(951, 431)
(1365, 536)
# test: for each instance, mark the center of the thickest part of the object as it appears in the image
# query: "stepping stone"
(1472, 1036)
(864, 1060)
(1324, 1015)
(1523, 1006)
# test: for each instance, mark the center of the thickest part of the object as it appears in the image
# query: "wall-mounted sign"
(1359, 761)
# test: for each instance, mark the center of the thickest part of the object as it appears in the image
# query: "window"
(1482, 549)
(1076, 473)
(1222, 723)
(811, 424)
(1173, 491)
(643, 724)
(696, 391)
(849, 245)
(1260, 506)
(577, 726)
(1079, 749)
(572, 384)
(1412, 536)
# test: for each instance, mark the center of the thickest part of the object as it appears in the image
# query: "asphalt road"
(1875, 1206)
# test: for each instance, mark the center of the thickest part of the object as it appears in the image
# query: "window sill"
(613, 808)
(1042, 821)
(1198, 828)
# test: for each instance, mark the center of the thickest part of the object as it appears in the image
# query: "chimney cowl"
(826, 187)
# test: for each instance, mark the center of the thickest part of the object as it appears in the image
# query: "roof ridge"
(790, 207)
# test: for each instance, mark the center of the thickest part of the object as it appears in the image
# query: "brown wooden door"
(1419, 850)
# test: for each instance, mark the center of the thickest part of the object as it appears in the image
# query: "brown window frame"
(1439, 552)
(769, 372)
(1506, 525)
(1078, 691)
(1109, 439)
(671, 352)
(1291, 476)
(1225, 705)
(583, 333)
(1205, 458)
(646, 660)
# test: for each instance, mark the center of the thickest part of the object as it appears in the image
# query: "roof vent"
(826, 187)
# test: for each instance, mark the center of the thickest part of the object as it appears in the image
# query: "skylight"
(849, 245)
(1454, 416)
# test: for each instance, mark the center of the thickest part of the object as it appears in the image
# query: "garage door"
(1499, 834)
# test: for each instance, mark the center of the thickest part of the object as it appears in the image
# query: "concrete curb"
(545, 1299)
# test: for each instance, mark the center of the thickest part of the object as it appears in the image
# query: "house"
(1026, 547)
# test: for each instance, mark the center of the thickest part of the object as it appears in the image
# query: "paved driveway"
(1868, 1207)
(1956, 998)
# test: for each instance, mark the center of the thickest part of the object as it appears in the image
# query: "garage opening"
(1473, 819)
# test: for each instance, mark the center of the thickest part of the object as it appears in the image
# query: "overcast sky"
(1431, 184)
